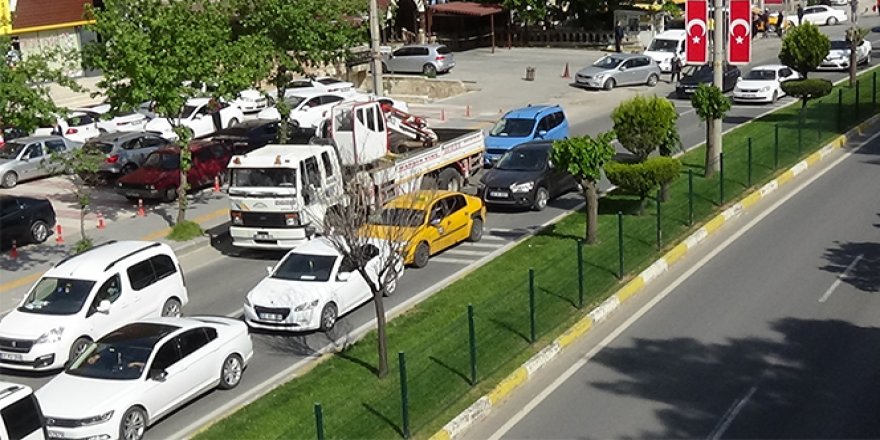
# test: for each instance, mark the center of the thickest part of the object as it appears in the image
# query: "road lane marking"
(464, 252)
(840, 278)
(731, 414)
(451, 260)
(495, 245)
(559, 381)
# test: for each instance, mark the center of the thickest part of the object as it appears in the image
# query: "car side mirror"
(622, 68)
(158, 375)
(542, 133)
(103, 307)
(739, 78)
(435, 222)
(269, 270)
(198, 116)
(343, 276)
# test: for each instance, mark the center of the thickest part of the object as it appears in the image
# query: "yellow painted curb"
(630, 289)
(579, 329)
(751, 199)
(440, 435)
(784, 177)
(713, 225)
(675, 253)
(506, 386)
(813, 158)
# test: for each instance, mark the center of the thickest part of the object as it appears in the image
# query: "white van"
(20, 414)
(665, 45)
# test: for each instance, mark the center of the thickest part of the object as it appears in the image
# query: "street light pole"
(375, 55)
(717, 75)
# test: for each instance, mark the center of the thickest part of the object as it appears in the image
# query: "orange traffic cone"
(216, 184)
(100, 220)
(467, 111)
(140, 212)
(59, 238)
(566, 73)
(14, 252)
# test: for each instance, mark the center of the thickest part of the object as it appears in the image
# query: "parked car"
(25, 220)
(427, 59)
(763, 83)
(252, 100)
(619, 69)
(125, 151)
(10, 133)
(86, 295)
(247, 136)
(198, 117)
(131, 120)
(430, 221)
(159, 176)
(29, 158)
(522, 125)
(693, 76)
(312, 286)
(838, 55)
(319, 84)
(819, 15)
(307, 109)
(665, 46)
(138, 373)
(76, 126)
(21, 417)
(525, 177)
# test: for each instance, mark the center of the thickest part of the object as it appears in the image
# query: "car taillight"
(71, 131)
(113, 159)
(235, 216)
(440, 57)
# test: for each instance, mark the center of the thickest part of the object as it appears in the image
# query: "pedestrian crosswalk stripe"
(451, 260)
(464, 252)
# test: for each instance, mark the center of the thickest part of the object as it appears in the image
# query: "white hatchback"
(819, 15)
(307, 109)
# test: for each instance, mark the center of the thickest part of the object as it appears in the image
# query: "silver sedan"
(619, 69)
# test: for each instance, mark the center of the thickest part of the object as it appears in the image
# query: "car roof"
(94, 263)
(428, 45)
(531, 111)
(671, 34)
(148, 331)
(316, 246)
(305, 94)
(25, 198)
(534, 145)
(418, 199)
(197, 101)
(768, 67)
(39, 138)
(10, 392)
(245, 126)
(120, 136)
(268, 155)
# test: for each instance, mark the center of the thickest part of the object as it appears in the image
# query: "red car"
(159, 176)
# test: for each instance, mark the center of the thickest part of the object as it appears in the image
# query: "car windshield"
(299, 84)
(305, 267)
(523, 160)
(163, 161)
(117, 360)
(761, 75)
(57, 296)
(399, 217)
(608, 62)
(659, 45)
(698, 71)
(839, 45)
(328, 81)
(513, 127)
(102, 147)
(293, 101)
(264, 177)
(10, 150)
(188, 111)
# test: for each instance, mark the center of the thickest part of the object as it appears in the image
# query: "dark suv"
(159, 176)
(524, 177)
(25, 219)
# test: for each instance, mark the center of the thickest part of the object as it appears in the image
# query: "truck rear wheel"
(450, 179)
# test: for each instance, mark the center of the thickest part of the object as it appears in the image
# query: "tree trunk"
(82, 222)
(852, 66)
(710, 149)
(284, 123)
(664, 192)
(592, 197)
(181, 196)
(382, 338)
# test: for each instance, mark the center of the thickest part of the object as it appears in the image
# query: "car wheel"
(609, 84)
(429, 69)
(10, 179)
(133, 424)
(652, 80)
(831, 21)
(450, 179)
(39, 231)
(774, 97)
(423, 254)
(172, 308)
(328, 317)
(230, 372)
(390, 282)
(78, 347)
(541, 199)
(233, 122)
(476, 230)
(169, 195)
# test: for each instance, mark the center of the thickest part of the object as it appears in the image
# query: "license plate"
(11, 356)
(262, 236)
(749, 95)
(271, 316)
(56, 434)
(501, 194)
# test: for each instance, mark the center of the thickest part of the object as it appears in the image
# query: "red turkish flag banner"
(739, 35)
(696, 48)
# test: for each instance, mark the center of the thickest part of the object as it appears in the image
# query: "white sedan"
(313, 285)
(199, 119)
(252, 100)
(307, 109)
(76, 126)
(763, 83)
(819, 15)
(123, 121)
(838, 56)
(319, 84)
(135, 375)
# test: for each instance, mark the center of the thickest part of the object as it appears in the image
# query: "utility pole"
(717, 75)
(375, 55)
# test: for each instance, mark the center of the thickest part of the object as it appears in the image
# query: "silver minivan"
(28, 157)
(428, 59)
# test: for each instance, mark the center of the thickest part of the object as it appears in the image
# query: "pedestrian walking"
(780, 23)
(675, 70)
(765, 20)
(618, 36)
(756, 23)
(800, 14)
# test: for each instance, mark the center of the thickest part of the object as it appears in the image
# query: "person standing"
(800, 14)
(675, 70)
(618, 36)
(765, 21)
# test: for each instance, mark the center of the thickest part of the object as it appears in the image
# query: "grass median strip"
(435, 335)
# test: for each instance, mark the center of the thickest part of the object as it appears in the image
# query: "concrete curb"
(483, 406)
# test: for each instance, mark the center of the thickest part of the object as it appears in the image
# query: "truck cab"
(279, 194)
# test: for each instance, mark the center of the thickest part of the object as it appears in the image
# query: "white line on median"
(840, 279)
(730, 415)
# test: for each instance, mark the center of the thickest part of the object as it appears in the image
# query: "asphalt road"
(218, 277)
(772, 338)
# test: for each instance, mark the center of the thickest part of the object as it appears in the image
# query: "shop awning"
(466, 8)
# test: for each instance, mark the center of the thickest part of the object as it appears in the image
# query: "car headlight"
(600, 76)
(95, 420)
(765, 89)
(306, 306)
(522, 187)
(51, 336)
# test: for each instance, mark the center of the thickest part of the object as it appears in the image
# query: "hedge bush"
(642, 178)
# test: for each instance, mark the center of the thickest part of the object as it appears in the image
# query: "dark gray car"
(427, 59)
(125, 151)
(619, 69)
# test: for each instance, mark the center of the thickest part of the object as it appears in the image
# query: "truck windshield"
(57, 296)
(513, 127)
(399, 217)
(265, 177)
(305, 267)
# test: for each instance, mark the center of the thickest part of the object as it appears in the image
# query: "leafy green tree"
(803, 48)
(807, 89)
(710, 103)
(80, 167)
(854, 36)
(163, 50)
(647, 123)
(25, 102)
(300, 34)
(643, 178)
(584, 157)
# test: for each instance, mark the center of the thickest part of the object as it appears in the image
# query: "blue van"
(523, 125)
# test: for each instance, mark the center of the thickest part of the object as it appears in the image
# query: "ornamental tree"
(584, 157)
(710, 103)
(643, 178)
(855, 36)
(803, 48)
(647, 123)
(807, 89)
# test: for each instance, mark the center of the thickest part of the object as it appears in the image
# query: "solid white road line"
(730, 415)
(546, 392)
(840, 279)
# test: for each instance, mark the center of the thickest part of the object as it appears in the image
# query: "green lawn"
(434, 335)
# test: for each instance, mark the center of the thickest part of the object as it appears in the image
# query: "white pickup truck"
(279, 194)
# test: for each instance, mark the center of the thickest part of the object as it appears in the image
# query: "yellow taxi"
(427, 222)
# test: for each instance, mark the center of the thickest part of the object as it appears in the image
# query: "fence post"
(858, 110)
(620, 244)
(472, 340)
(690, 197)
(404, 393)
(839, 110)
(776, 147)
(319, 421)
(532, 304)
(749, 178)
(659, 223)
(580, 260)
(721, 177)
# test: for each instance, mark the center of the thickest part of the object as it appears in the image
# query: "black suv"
(524, 177)
(25, 219)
